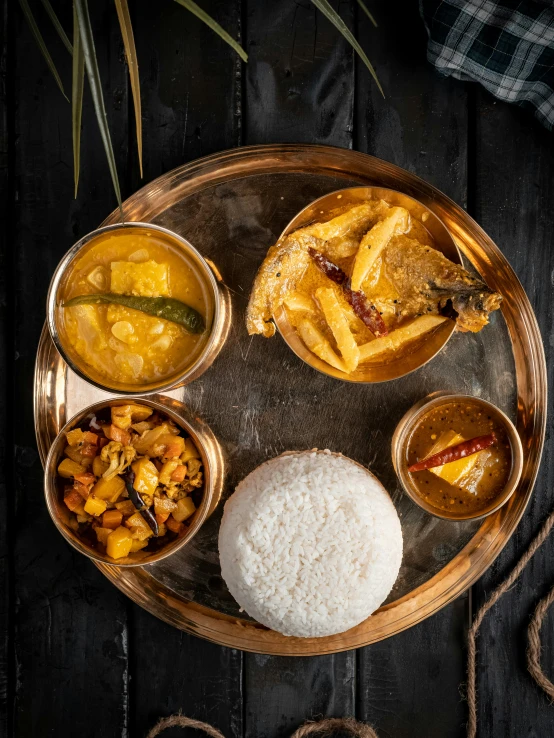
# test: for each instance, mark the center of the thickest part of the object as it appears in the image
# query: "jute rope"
(533, 654)
(328, 726)
(362, 730)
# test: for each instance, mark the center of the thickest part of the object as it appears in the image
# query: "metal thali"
(260, 399)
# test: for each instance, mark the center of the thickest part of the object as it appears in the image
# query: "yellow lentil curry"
(123, 344)
(469, 484)
(131, 480)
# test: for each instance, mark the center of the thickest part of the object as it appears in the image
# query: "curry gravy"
(485, 475)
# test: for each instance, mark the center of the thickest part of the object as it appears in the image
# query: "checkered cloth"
(507, 46)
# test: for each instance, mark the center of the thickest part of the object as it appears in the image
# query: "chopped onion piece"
(138, 256)
(123, 330)
(129, 363)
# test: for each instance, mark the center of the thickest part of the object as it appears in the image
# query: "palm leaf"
(77, 89)
(93, 74)
(40, 42)
(364, 7)
(209, 21)
(332, 15)
(57, 25)
(132, 63)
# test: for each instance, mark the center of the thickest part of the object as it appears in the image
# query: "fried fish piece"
(287, 261)
(427, 281)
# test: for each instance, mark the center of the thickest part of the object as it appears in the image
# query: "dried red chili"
(367, 313)
(453, 453)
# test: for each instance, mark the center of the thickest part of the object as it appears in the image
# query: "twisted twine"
(362, 730)
(533, 653)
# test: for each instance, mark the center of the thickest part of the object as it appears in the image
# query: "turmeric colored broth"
(490, 469)
(121, 344)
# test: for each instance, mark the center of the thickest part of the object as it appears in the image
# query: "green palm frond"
(132, 62)
(40, 43)
(209, 21)
(57, 25)
(77, 88)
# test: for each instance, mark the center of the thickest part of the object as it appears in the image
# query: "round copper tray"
(261, 400)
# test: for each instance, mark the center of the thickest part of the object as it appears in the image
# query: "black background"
(76, 657)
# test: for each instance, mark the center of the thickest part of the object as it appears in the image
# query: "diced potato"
(99, 466)
(400, 337)
(167, 470)
(193, 467)
(98, 278)
(102, 535)
(75, 436)
(185, 508)
(95, 506)
(146, 279)
(143, 443)
(316, 342)
(125, 507)
(68, 469)
(374, 242)
(338, 323)
(190, 452)
(112, 519)
(342, 225)
(138, 526)
(119, 543)
(109, 489)
(163, 505)
(136, 545)
(140, 412)
(146, 476)
(124, 415)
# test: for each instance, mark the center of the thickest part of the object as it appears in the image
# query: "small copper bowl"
(409, 422)
(218, 318)
(330, 205)
(212, 460)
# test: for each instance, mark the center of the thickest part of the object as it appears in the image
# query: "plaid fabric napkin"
(506, 45)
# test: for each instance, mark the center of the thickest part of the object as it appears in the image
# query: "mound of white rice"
(310, 544)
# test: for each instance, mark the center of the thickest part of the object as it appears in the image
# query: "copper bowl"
(323, 209)
(217, 298)
(212, 460)
(408, 424)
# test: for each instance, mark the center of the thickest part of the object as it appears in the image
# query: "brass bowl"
(323, 209)
(212, 460)
(408, 424)
(218, 319)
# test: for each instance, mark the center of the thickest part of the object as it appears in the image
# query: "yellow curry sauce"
(467, 485)
(120, 343)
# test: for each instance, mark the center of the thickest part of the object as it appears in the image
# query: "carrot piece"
(112, 519)
(87, 478)
(117, 434)
(179, 473)
(73, 500)
(161, 518)
(103, 442)
(89, 449)
(173, 525)
(453, 453)
(90, 437)
(82, 489)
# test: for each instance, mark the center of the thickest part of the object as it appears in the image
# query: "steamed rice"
(310, 544)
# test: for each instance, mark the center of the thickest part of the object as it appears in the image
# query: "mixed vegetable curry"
(131, 480)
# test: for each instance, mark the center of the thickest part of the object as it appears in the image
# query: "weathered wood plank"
(191, 85)
(299, 87)
(70, 624)
(6, 508)
(408, 685)
(514, 202)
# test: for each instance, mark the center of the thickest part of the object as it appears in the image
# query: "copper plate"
(260, 399)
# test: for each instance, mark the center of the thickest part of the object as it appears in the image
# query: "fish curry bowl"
(134, 308)
(366, 285)
(129, 482)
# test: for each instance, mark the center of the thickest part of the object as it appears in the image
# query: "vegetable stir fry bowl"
(134, 308)
(129, 482)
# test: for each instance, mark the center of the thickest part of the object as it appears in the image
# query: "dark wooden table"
(76, 657)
